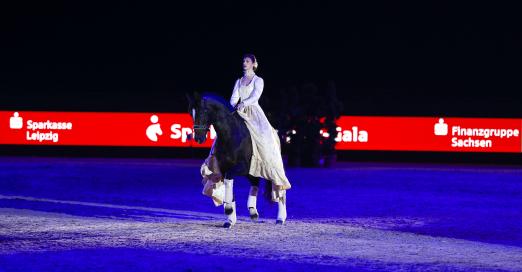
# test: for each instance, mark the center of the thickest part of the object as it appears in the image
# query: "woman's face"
(247, 64)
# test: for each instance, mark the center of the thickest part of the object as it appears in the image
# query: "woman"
(266, 158)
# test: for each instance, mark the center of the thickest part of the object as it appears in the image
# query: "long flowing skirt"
(266, 162)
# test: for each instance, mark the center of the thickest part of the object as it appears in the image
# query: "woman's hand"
(240, 106)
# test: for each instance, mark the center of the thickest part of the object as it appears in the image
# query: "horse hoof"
(227, 225)
(254, 215)
(280, 222)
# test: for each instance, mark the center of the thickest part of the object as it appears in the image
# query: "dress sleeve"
(259, 84)
(235, 94)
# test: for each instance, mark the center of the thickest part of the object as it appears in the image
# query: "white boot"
(252, 203)
(229, 204)
(281, 208)
(231, 218)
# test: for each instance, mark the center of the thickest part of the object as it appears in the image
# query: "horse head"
(200, 112)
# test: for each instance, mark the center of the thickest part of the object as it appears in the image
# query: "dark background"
(391, 59)
(420, 59)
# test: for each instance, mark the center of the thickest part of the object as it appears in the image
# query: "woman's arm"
(235, 95)
(259, 84)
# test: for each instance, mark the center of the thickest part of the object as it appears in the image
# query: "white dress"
(266, 162)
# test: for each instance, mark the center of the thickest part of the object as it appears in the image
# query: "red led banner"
(97, 128)
(429, 134)
(173, 129)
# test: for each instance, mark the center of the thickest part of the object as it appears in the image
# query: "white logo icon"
(154, 130)
(440, 128)
(16, 122)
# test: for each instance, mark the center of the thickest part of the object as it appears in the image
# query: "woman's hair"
(253, 59)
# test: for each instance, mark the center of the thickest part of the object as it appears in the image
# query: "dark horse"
(233, 150)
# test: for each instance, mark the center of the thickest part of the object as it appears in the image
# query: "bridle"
(203, 127)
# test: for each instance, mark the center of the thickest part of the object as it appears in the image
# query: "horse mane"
(219, 100)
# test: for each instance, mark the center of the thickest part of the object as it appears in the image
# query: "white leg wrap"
(252, 197)
(229, 190)
(229, 201)
(281, 205)
(252, 201)
(231, 218)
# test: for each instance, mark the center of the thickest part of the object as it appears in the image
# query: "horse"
(233, 150)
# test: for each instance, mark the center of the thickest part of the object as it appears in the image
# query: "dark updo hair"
(252, 58)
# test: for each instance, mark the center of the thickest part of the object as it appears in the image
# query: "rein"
(206, 127)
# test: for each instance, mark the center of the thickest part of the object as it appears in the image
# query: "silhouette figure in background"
(301, 119)
(333, 109)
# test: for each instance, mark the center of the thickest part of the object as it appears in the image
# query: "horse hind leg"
(252, 203)
(230, 204)
(252, 198)
(281, 208)
(278, 196)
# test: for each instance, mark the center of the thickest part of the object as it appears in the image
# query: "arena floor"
(84, 214)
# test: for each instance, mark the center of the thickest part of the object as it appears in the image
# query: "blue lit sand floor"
(84, 214)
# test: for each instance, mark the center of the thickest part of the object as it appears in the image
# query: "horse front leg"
(229, 203)
(281, 207)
